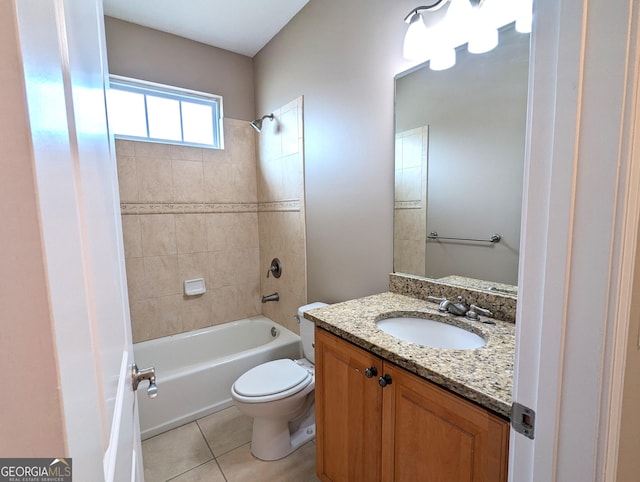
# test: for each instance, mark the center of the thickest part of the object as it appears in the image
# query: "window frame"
(180, 94)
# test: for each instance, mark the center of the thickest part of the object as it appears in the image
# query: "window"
(142, 110)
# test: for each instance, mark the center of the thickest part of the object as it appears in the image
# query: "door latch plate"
(523, 420)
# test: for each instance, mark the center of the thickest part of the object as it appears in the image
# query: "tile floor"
(216, 449)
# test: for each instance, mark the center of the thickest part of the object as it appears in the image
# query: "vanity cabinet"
(408, 430)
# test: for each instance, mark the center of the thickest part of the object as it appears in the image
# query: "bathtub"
(195, 370)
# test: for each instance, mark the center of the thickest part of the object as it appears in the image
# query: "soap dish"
(193, 287)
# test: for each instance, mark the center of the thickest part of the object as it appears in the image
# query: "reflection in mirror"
(460, 137)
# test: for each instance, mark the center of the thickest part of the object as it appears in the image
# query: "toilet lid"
(270, 378)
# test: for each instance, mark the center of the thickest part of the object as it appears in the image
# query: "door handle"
(145, 374)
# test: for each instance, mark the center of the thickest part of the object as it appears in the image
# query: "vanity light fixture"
(434, 36)
(416, 40)
(484, 34)
(443, 59)
(525, 17)
(432, 7)
(483, 40)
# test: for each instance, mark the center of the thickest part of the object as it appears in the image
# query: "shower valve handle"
(275, 268)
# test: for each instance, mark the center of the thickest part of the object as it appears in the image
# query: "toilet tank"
(306, 330)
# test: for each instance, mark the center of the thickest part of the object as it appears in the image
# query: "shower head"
(257, 124)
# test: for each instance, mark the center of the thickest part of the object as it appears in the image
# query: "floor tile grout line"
(162, 433)
(229, 450)
(195, 466)
(210, 449)
(192, 468)
(225, 477)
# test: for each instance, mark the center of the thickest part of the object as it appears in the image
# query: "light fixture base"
(433, 6)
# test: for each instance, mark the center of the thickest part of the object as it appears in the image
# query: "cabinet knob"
(384, 381)
(370, 372)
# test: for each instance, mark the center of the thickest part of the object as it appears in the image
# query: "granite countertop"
(483, 375)
(480, 284)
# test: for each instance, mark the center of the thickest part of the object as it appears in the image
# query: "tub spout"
(272, 297)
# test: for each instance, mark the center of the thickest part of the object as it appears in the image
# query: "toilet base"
(273, 441)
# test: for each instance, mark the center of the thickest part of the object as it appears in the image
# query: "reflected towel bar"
(495, 238)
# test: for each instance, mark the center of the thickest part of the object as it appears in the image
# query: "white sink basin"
(435, 334)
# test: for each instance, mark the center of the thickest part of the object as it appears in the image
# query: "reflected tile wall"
(281, 212)
(188, 213)
(410, 215)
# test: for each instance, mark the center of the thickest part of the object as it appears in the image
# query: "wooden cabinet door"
(348, 411)
(431, 435)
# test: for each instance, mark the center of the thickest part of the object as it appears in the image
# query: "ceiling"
(241, 26)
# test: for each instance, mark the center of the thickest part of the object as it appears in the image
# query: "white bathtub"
(195, 370)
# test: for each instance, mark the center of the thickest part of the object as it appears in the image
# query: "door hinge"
(523, 420)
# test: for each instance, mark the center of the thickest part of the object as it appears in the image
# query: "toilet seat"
(273, 380)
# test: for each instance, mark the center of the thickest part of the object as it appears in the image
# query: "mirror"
(460, 140)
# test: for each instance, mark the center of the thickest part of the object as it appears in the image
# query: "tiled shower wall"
(190, 213)
(194, 213)
(282, 212)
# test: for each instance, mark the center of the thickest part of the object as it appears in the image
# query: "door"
(63, 53)
(430, 434)
(348, 411)
(584, 75)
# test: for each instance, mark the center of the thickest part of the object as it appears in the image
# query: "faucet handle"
(275, 268)
(482, 311)
(472, 314)
(436, 299)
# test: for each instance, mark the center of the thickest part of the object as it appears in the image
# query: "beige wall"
(147, 54)
(282, 211)
(30, 400)
(342, 56)
(190, 213)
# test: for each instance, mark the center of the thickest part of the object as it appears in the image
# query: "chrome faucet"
(459, 309)
(447, 306)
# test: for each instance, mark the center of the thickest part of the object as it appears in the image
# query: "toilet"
(279, 395)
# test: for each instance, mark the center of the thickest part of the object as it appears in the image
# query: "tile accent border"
(408, 205)
(209, 208)
(292, 205)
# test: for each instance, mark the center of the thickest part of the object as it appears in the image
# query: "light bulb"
(416, 39)
(442, 59)
(482, 28)
(525, 17)
(523, 23)
(483, 40)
